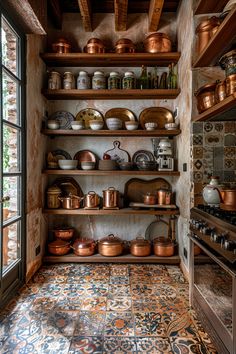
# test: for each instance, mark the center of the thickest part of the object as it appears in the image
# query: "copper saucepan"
(111, 198)
(110, 246)
(140, 247)
(84, 247)
(71, 202)
(163, 247)
(91, 200)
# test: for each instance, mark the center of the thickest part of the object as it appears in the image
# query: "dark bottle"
(143, 79)
(155, 79)
(163, 81)
(174, 80)
(169, 77)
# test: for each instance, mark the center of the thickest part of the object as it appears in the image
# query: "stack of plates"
(107, 165)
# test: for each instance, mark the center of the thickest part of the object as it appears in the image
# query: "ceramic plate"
(85, 155)
(122, 113)
(159, 115)
(63, 118)
(88, 114)
(142, 155)
(68, 185)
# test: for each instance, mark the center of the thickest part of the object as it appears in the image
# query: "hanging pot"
(110, 246)
(84, 247)
(91, 200)
(140, 247)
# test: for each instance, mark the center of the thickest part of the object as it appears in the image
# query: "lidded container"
(98, 81)
(53, 193)
(205, 31)
(211, 194)
(59, 247)
(110, 246)
(114, 81)
(228, 62)
(54, 81)
(129, 81)
(68, 81)
(163, 247)
(84, 247)
(83, 81)
(206, 97)
(61, 46)
(157, 43)
(140, 247)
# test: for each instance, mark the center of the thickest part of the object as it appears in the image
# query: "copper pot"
(110, 246)
(64, 233)
(149, 199)
(59, 247)
(70, 202)
(164, 197)
(111, 198)
(140, 247)
(220, 91)
(84, 247)
(163, 247)
(228, 62)
(230, 84)
(91, 200)
(205, 97)
(124, 45)
(61, 46)
(196, 250)
(94, 45)
(205, 31)
(228, 199)
(157, 42)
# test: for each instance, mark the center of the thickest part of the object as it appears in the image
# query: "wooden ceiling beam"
(155, 10)
(121, 9)
(86, 13)
(55, 12)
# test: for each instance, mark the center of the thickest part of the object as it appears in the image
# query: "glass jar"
(98, 81)
(129, 81)
(114, 81)
(54, 80)
(68, 81)
(83, 81)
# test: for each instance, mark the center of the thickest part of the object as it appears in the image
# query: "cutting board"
(117, 154)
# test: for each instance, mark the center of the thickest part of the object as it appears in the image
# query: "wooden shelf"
(110, 173)
(97, 258)
(209, 6)
(224, 110)
(118, 212)
(219, 43)
(135, 94)
(110, 59)
(134, 133)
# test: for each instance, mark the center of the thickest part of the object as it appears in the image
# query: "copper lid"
(206, 88)
(83, 243)
(157, 35)
(140, 241)
(58, 243)
(162, 240)
(110, 240)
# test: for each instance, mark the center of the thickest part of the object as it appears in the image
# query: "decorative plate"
(68, 185)
(142, 155)
(122, 113)
(63, 118)
(85, 155)
(89, 114)
(54, 156)
(159, 115)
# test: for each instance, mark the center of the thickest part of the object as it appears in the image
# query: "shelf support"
(86, 14)
(121, 8)
(155, 10)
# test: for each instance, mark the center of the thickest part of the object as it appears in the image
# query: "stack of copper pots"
(205, 31)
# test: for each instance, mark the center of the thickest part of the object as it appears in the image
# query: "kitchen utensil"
(122, 113)
(68, 185)
(114, 123)
(87, 114)
(230, 82)
(163, 196)
(205, 31)
(54, 156)
(64, 119)
(117, 154)
(87, 165)
(111, 198)
(149, 198)
(228, 197)
(84, 247)
(159, 115)
(85, 155)
(163, 247)
(140, 247)
(110, 246)
(142, 155)
(171, 126)
(157, 42)
(64, 233)
(124, 45)
(205, 97)
(53, 124)
(77, 125)
(228, 62)
(94, 45)
(150, 125)
(107, 165)
(91, 200)
(61, 46)
(220, 91)
(131, 125)
(53, 193)
(59, 247)
(156, 228)
(68, 164)
(71, 202)
(96, 124)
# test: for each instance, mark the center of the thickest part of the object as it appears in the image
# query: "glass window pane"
(11, 189)
(11, 244)
(10, 99)
(11, 149)
(9, 47)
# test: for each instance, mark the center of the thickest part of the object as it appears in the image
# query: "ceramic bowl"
(171, 126)
(87, 165)
(77, 125)
(146, 165)
(150, 126)
(114, 123)
(96, 124)
(68, 164)
(131, 125)
(53, 124)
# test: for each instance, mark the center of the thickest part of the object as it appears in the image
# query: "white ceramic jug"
(211, 194)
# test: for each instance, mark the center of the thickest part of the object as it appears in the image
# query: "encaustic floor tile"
(119, 324)
(119, 304)
(86, 345)
(90, 323)
(187, 346)
(151, 345)
(149, 324)
(119, 345)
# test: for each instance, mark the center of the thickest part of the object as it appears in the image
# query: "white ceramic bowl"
(87, 165)
(114, 123)
(68, 164)
(131, 125)
(53, 124)
(171, 126)
(150, 126)
(96, 124)
(77, 125)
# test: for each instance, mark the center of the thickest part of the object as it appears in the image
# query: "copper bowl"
(59, 247)
(205, 97)
(64, 233)
(230, 82)
(94, 45)
(157, 43)
(84, 247)
(124, 45)
(61, 46)
(140, 247)
(163, 247)
(149, 199)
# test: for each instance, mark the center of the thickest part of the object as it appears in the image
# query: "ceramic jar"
(98, 81)
(114, 81)
(54, 81)
(83, 81)
(52, 197)
(129, 81)
(211, 194)
(68, 81)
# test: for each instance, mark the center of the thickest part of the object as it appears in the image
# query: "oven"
(213, 274)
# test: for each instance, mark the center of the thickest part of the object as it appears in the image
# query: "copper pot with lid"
(61, 46)
(91, 200)
(84, 247)
(157, 42)
(205, 31)
(94, 45)
(163, 247)
(140, 247)
(206, 97)
(110, 246)
(71, 201)
(59, 247)
(124, 45)
(111, 198)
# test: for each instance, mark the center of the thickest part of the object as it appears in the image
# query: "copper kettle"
(91, 200)
(111, 198)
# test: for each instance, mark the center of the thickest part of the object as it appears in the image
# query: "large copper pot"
(84, 247)
(157, 42)
(110, 246)
(205, 31)
(230, 82)
(228, 199)
(140, 247)
(163, 247)
(205, 97)
(94, 45)
(111, 198)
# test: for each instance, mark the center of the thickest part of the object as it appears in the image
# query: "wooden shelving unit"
(209, 6)
(118, 212)
(97, 258)
(219, 43)
(110, 59)
(102, 133)
(110, 173)
(224, 110)
(135, 94)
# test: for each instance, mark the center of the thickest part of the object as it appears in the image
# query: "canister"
(83, 81)
(53, 193)
(129, 81)
(114, 81)
(68, 81)
(98, 81)
(54, 80)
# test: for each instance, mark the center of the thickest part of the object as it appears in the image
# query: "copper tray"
(89, 114)
(159, 115)
(135, 188)
(68, 185)
(85, 155)
(122, 113)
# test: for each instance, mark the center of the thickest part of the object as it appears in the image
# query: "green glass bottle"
(143, 79)
(174, 79)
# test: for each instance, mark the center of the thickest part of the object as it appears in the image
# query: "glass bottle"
(174, 80)
(155, 79)
(143, 79)
(169, 77)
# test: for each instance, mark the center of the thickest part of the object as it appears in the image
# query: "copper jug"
(111, 198)
(91, 200)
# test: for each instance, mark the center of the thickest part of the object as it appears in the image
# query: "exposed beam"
(55, 13)
(154, 15)
(85, 10)
(121, 8)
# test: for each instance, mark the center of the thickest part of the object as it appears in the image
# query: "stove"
(228, 216)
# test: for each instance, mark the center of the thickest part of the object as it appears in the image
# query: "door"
(12, 157)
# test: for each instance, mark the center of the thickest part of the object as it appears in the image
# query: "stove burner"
(228, 216)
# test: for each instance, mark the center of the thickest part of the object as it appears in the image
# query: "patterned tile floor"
(103, 308)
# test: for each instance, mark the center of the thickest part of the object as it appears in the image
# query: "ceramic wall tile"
(197, 152)
(197, 128)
